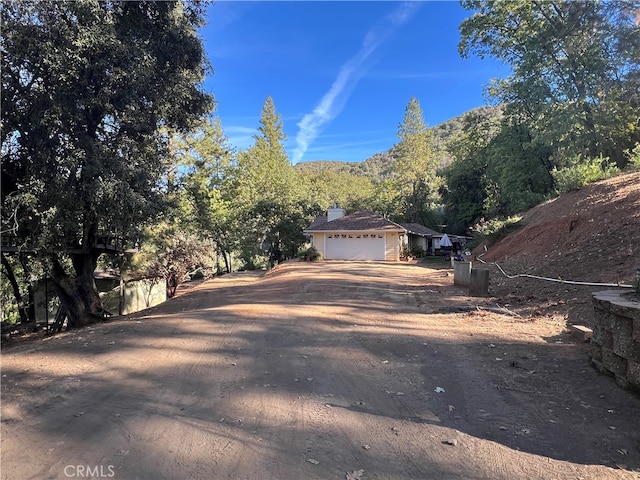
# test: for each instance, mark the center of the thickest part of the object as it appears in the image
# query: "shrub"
(493, 230)
(633, 155)
(581, 172)
(311, 255)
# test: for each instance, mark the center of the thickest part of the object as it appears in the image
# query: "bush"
(311, 255)
(633, 155)
(491, 231)
(582, 172)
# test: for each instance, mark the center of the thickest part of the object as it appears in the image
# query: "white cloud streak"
(332, 103)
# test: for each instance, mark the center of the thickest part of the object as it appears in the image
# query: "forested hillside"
(380, 166)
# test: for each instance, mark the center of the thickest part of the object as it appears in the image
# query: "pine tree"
(415, 168)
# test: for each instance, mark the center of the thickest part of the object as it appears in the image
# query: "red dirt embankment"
(591, 235)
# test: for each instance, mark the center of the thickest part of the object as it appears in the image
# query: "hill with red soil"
(591, 235)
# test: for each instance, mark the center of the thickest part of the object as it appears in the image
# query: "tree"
(208, 169)
(14, 305)
(575, 66)
(171, 253)
(266, 185)
(87, 86)
(466, 177)
(499, 170)
(416, 165)
(326, 187)
(518, 171)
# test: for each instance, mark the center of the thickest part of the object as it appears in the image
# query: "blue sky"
(340, 73)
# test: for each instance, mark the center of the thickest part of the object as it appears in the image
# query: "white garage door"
(355, 247)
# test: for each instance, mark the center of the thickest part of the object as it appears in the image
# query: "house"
(357, 236)
(421, 238)
(431, 242)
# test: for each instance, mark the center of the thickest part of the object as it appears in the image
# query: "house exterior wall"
(318, 242)
(416, 242)
(392, 247)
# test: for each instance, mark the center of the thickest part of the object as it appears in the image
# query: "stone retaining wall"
(615, 344)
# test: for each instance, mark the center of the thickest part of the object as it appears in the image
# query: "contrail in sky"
(333, 101)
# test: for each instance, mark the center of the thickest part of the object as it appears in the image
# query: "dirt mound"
(592, 235)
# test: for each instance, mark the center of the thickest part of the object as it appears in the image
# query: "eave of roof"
(421, 230)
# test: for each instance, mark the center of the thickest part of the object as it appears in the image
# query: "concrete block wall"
(615, 344)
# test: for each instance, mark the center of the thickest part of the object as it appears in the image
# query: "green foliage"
(311, 255)
(268, 194)
(10, 312)
(633, 156)
(207, 170)
(493, 230)
(86, 88)
(575, 70)
(465, 191)
(571, 100)
(415, 168)
(386, 200)
(581, 172)
(467, 184)
(517, 171)
(264, 170)
(324, 187)
(175, 255)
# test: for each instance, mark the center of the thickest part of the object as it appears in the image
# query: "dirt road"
(329, 370)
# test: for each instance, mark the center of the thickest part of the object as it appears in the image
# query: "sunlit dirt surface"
(327, 370)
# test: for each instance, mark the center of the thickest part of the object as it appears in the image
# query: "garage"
(355, 246)
(358, 236)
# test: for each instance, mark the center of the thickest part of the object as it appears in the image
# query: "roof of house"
(318, 221)
(354, 222)
(421, 230)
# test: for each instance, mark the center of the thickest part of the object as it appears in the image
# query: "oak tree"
(575, 70)
(87, 89)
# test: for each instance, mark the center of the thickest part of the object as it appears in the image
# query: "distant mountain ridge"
(379, 166)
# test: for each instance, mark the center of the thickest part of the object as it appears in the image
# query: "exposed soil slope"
(592, 235)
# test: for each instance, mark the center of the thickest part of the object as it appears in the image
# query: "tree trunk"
(590, 127)
(222, 251)
(226, 257)
(414, 202)
(78, 295)
(22, 309)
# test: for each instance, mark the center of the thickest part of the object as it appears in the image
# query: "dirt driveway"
(329, 370)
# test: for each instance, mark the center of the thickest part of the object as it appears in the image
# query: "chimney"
(334, 213)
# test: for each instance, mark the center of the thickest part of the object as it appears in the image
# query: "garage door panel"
(355, 247)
